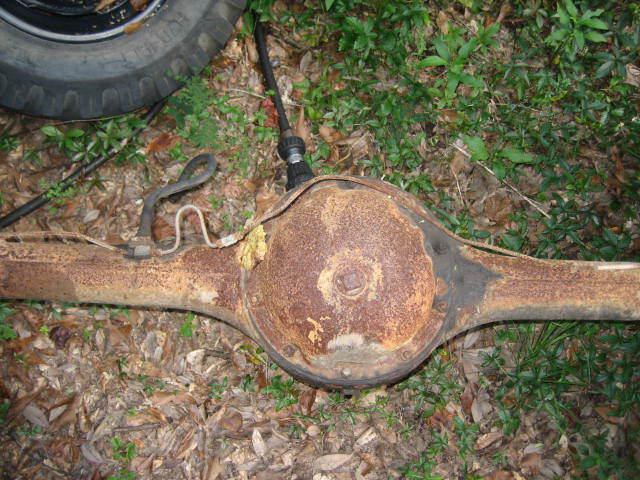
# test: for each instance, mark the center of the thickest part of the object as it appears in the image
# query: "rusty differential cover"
(345, 291)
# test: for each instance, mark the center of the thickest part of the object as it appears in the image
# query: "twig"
(261, 97)
(246, 92)
(464, 203)
(138, 428)
(285, 38)
(506, 183)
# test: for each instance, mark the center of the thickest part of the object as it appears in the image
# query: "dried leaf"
(505, 10)
(259, 447)
(329, 134)
(604, 410)
(466, 399)
(252, 51)
(91, 216)
(189, 443)
(302, 128)
(261, 379)
(231, 421)
(480, 407)
(91, 454)
(367, 437)
(471, 338)
(533, 448)
(138, 5)
(443, 22)
(633, 75)
(500, 475)
(305, 61)
(488, 439)
(161, 229)
(531, 461)
(36, 416)
(372, 397)
(214, 469)
(272, 114)
(231, 190)
(69, 415)
(306, 400)
(164, 398)
(440, 418)
(328, 463)
(162, 142)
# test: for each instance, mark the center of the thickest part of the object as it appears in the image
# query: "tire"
(73, 81)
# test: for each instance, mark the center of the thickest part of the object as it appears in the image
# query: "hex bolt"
(350, 282)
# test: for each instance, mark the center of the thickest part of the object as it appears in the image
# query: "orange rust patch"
(360, 266)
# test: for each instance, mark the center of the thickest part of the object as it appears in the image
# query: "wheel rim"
(76, 21)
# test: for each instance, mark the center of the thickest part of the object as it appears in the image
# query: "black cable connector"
(291, 149)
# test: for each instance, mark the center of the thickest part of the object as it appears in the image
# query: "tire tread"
(76, 101)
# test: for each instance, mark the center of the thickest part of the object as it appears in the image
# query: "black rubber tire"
(81, 81)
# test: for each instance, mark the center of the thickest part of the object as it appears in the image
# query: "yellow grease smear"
(253, 248)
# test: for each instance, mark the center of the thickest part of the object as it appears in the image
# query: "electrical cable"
(270, 79)
(291, 148)
(82, 171)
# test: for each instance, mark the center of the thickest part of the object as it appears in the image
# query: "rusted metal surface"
(346, 282)
(346, 286)
(531, 289)
(198, 279)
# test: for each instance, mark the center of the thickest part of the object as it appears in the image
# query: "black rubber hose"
(82, 171)
(270, 79)
(185, 182)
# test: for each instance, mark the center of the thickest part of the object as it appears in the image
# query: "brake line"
(53, 234)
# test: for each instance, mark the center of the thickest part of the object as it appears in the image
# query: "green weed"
(121, 451)
(283, 392)
(188, 326)
(217, 389)
(6, 331)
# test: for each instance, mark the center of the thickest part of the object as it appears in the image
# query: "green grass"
(6, 331)
(209, 119)
(283, 392)
(188, 326)
(122, 451)
(217, 389)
